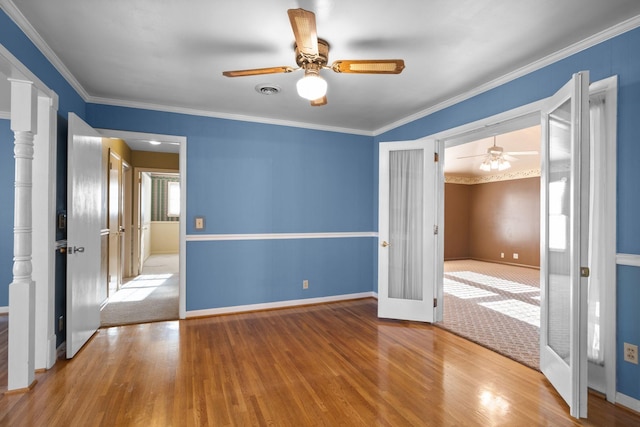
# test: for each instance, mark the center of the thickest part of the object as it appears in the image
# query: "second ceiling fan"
(312, 55)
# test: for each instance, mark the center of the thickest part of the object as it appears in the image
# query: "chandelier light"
(494, 160)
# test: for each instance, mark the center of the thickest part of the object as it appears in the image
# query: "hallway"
(149, 297)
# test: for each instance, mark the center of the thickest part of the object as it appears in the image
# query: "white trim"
(626, 401)
(226, 116)
(17, 70)
(631, 260)
(16, 16)
(275, 305)
(4, 310)
(277, 236)
(591, 41)
(5, 115)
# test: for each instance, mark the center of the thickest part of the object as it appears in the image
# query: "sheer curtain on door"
(596, 244)
(406, 181)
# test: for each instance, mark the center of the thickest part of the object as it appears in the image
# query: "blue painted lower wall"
(628, 300)
(7, 178)
(232, 273)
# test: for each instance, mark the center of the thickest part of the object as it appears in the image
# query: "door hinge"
(435, 229)
(436, 157)
(435, 302)
(584, 272)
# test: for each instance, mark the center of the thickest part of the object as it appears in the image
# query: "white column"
(22, 289)
(44, 232)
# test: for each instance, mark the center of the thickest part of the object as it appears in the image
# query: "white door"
(84, 219)
(564, 240)
(406, 230)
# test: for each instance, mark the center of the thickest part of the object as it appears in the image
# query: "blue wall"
(250, 178)
(619, 56)
(6, 213)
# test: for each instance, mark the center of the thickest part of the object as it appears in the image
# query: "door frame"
(518, 118)
(182, 142)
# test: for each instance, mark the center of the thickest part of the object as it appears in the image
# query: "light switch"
(199, 223)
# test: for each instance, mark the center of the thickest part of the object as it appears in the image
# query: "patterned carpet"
(496, 306)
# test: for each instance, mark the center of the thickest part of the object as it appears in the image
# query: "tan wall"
(118, 146)
(503, 217)
(165, 237)
(148, 159)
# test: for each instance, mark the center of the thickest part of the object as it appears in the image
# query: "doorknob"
(72, 250)
(385, 244)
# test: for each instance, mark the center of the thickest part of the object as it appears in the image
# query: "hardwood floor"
(334, 364)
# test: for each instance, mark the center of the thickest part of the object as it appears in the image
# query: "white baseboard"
(4, 310)
(375, 295)
(277, 304)
(629, 402)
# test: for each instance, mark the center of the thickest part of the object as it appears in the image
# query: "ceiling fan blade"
(258, 71)
(303, 24)
(369, 66)
(510, 158)
(523, 153)
(319, 102)
(468, 157)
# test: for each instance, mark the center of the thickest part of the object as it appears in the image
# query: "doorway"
(491, 283)
(151, 290)
(151, 293)
(601, 368)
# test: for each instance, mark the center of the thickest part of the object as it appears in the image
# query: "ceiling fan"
(497, 158)
(312, 55)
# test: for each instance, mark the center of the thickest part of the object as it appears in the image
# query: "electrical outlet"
(515, 256)
(630, 353)
(305, 284)
(501, 254)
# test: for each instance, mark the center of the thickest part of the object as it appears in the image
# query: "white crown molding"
(600, 37)
(227, 116)
(16, 16)
(277, 236)
(14, 13)
(508, 176)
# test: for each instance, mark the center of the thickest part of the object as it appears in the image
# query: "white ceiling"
(170, 54)
(527, 139)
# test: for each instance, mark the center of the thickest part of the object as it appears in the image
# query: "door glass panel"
(559, 238)
(406, 183)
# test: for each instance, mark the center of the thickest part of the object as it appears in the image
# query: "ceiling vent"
(267, 89)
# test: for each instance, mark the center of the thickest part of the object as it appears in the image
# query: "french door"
(85, 284)
(564, 241)
(406, 230)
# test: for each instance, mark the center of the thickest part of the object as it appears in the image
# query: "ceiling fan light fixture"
(503, 165)
(485, 166)
(311, 86)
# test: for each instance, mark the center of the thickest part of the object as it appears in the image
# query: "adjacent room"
(492, 243)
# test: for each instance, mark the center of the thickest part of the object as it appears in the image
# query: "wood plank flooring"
(326, 365)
